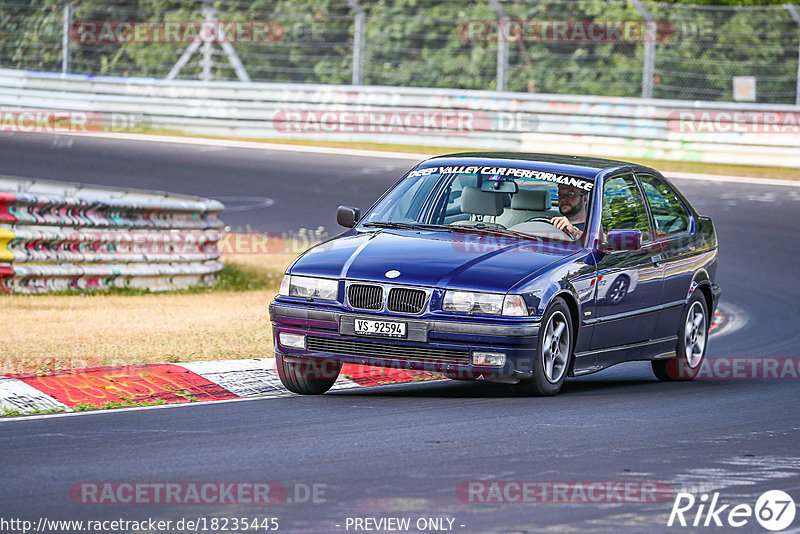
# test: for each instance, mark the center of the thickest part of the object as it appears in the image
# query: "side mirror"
(620, 240)
(347, 216)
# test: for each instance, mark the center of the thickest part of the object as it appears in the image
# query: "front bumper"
(432, 344)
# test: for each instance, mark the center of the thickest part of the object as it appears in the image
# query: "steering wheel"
(548, 221)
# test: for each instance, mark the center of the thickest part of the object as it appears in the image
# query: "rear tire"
(553, 354)
(307, 376)
(692, 344)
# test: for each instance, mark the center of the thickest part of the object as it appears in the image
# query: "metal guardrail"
(58, 235)
(607, 126)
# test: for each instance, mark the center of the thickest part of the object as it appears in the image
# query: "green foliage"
(418, 43)
(6, 412)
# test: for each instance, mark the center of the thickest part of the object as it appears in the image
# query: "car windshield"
(466, 199)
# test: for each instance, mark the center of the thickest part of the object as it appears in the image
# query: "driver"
(572, 205)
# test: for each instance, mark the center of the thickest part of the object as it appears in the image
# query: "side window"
(669, 215)
(623, 207)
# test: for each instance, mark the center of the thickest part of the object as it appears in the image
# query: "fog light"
(495, 359)
(292, 341)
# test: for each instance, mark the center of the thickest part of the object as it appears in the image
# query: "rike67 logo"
(774, 510)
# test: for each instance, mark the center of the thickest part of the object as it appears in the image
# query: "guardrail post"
(649, 53)
(796, 17)
(502, 45)
(358, 42)
(65, 47)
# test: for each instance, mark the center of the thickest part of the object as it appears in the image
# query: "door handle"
(656, 259)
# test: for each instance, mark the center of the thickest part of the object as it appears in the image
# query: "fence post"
(649, 53)
(796, 17)
(502, 45)
(358, 42)
(65, 47)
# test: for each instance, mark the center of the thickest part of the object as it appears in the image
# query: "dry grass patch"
(49, 332)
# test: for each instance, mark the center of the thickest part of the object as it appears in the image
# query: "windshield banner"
(507, 172)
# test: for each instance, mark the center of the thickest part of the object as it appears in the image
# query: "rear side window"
(669, 215)
(623, 207)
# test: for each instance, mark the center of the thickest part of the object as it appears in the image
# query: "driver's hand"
(562, 223)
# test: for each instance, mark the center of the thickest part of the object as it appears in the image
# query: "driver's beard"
(572, 211)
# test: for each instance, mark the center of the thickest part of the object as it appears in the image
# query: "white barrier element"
(56, 236)
(615, 126)
(18, 397)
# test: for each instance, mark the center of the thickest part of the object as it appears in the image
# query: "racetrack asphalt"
(402, 451)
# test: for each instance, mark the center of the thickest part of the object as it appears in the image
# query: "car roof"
(582, 166)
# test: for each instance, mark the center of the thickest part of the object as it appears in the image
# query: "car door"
(629, 283)
(674, 241)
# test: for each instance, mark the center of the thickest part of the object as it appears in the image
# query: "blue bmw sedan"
(508, 267)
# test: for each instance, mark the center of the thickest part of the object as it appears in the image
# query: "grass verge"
(131, 326)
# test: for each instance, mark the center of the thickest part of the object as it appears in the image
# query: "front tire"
(553, 354)
(307, 376)
(692, 344)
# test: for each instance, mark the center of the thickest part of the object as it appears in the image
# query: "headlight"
(309, 288)
(488, 303)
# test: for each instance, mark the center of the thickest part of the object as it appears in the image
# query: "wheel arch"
(701, 282)
(574, 310)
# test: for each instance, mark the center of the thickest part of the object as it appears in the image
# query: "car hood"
(431, 258)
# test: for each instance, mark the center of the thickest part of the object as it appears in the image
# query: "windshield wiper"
(453, 228)
(494, 231)
(408, 226)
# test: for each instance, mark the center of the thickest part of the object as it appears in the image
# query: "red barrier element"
(367, 375)
(99, 386)
(5, 273)
(6, 199)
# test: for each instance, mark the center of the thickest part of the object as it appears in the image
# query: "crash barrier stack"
(57, 236)
(710, 132)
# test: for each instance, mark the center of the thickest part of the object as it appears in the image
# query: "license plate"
(368, 327)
